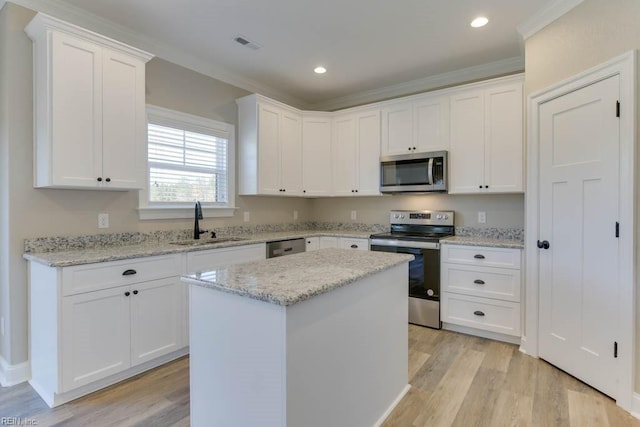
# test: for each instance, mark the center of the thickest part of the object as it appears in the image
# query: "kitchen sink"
(202, 242)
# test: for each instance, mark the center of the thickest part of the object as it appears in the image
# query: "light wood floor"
(457, 380)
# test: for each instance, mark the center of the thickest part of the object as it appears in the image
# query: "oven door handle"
(405, 244)
(430, 171)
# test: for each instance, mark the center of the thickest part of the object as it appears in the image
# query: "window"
(189, 158)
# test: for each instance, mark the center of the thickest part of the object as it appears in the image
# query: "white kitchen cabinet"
(481, 290)
(329, 242)
(317, 180)
(354, 243)
(420, 124)
(486, 148)
(356, 154)
(312, 244)
(89, 108)
(211, 258)
(95, 324)
(270, 147)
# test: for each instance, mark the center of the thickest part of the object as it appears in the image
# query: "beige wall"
(27, 212)
(502, 210)
(592, 33)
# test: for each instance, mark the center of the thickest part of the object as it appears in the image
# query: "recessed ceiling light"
(480, 21)
(319, 70)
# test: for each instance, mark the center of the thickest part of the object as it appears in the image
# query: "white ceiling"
(365, 44)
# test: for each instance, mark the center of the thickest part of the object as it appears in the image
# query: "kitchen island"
(312, 339)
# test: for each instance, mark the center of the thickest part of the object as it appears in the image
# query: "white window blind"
(185, 166)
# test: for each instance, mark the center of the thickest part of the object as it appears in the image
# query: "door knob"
(544, 244)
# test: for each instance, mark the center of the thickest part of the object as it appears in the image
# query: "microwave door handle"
(430, 171)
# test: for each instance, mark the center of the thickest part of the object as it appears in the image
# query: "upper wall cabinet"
(486, 151)
(356, 153)
(89, 108)
(270, 147)
(418, 125)
(317, 179)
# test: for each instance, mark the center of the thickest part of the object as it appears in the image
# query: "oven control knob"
(430, 292)
(396, 216)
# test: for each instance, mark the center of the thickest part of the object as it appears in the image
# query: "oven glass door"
(424, 270)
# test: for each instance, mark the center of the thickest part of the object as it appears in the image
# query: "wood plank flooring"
(457, 380)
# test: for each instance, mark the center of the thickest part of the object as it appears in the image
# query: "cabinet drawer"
(92, 277)
(481, 313)
(489, 282)
(480, 255)
(354, 243)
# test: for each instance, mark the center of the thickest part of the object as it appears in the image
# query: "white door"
(397, 131)
(344, 156)
(316, 156)
(368, 146)
(431, 124)
(269, 150)
(123, 123)
(157, 319)
(578, 210)
(466, 151)
(291, 154)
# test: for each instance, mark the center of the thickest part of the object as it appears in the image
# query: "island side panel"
(348, 352)
(236, 360)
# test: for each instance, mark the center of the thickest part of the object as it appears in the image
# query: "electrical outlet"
(247, 217)
(103, 220)
(354, 215)
(482, 217)
(295, 215)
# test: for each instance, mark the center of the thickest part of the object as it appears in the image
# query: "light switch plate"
(247, 216)
(354, 215)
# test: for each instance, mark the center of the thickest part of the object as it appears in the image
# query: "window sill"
(181, 212)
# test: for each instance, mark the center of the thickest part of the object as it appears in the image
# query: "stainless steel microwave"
(414, 173)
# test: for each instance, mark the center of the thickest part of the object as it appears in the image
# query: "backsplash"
(491, 232)
(94, 241)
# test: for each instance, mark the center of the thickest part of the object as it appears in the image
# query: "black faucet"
(196, 226)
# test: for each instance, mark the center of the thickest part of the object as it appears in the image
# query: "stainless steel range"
(418, 233)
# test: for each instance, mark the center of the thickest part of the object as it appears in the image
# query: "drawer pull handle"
(478, 282)
(129, 272)
(354, 246)
(126, 294)
(478, 313)
(135, 292)
(478, 256)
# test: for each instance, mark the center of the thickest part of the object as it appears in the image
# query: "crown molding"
(478, 72)
(92, 22)
(545, 16)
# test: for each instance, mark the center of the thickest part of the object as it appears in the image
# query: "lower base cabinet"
(83, 340)
(481, 288)
(322, 242)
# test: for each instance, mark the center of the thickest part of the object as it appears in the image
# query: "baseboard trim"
(480, 333)
(393, 405)
(14, 374)
(635, 405)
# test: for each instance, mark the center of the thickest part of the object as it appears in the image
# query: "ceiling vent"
(246, 42)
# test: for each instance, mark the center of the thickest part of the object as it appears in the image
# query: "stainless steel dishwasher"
(285, 247)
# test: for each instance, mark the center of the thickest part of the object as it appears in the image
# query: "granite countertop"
(115, 253)
(291, 279)
(484, 241)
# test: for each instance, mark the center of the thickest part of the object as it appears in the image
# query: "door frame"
(625, 67)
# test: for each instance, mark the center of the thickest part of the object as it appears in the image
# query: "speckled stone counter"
(484, 241)
(291, 279)
(119, 252)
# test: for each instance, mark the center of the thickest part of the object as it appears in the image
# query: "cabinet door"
(157, 319)
(344, 156)
(76, 112)
(466, 153)
(316, 156)
(95, 336)
(123, 122)
(431, 124)
(268, 149)
(291, 153)
(504, 139)
(328, 242)
(397, 129)
(312, 244)
(368, 167)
